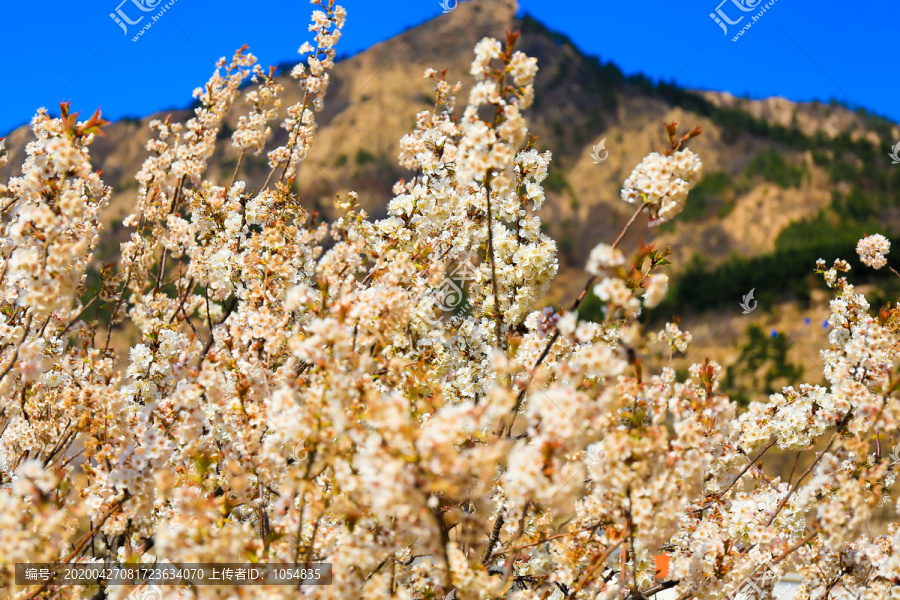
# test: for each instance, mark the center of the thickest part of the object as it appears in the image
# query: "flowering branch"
(304, 390)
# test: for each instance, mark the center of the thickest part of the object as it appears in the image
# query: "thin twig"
(595, 564)
(498, 316)
(78, 316)
(237, 167)
(747, 468)
(798, 545)
(15, 355)
(555, 336)
(492, 541)
(545, 540)
(212, 337)
(188, 290)
(796, 485)
(68, 372)
(89, 536)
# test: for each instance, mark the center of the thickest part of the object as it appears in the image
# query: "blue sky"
(801, 50)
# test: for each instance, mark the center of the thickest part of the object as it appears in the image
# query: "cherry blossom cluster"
(247, 383)
(872, 250)
(663, 183)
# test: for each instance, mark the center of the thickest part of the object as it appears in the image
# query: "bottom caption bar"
(164, 573)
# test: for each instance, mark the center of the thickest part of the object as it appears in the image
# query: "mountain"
(784, 183)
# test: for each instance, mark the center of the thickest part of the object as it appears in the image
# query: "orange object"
(661, 560)
(662, 565)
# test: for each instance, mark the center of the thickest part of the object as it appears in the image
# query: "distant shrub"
(771, 166)
(363, 157)
(762, 359)
(709, 192)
